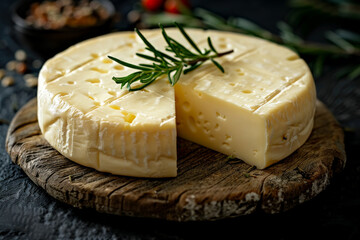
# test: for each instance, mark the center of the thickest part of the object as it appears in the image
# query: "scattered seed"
(11, 65)
(20, 55)
(7, 81)
(28, 75)
(31, 82)
(21, 67)
(37, 64)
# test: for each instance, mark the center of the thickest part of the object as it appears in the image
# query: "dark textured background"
(27, 212)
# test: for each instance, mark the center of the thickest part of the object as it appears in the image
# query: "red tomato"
(176, 6)
(152, 5)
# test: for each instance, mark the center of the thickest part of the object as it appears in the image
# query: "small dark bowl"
(46, 43)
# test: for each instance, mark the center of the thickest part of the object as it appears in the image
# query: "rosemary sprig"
(182, 62)
(344, 44)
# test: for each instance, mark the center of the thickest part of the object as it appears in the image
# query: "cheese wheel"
(260, 110)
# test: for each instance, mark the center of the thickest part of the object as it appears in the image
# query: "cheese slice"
(260, 110)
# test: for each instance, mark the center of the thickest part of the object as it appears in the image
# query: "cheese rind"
(260, 110)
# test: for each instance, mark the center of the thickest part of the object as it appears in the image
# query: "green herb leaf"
(188, 38)
(161, 63)
(218, 65)
(177, 74)
(148, 57)
(193, 67)
(211, 45)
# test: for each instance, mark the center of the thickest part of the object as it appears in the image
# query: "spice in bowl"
(66, 14)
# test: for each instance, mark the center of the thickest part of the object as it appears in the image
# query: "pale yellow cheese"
(260, 110)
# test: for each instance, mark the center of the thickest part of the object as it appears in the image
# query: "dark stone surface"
(27, 212)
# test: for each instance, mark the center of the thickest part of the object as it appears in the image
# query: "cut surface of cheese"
(260, 110)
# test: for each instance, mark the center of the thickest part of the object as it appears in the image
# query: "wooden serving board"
(209, 186)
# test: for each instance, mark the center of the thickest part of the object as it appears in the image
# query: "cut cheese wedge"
(260, 110)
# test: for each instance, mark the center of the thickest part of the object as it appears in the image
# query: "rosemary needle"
(181, 61)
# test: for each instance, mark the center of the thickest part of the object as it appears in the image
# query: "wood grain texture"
(209, 186)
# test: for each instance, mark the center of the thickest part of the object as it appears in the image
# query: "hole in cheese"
(95, 80)
(90, 97)
(115, 107)
(70, 82)
(292, 58)
(112, 93)
(226, 145)
(206, 130)
(119, 67)
(63, 94)
(106, 60)
(246, 91)
(240, 72)
(220, 116)
(207, 126)
(94, 55)
(128, 117)
(99, 70)
(228, 138)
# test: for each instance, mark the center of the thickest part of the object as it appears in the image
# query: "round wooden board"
(209, 186)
